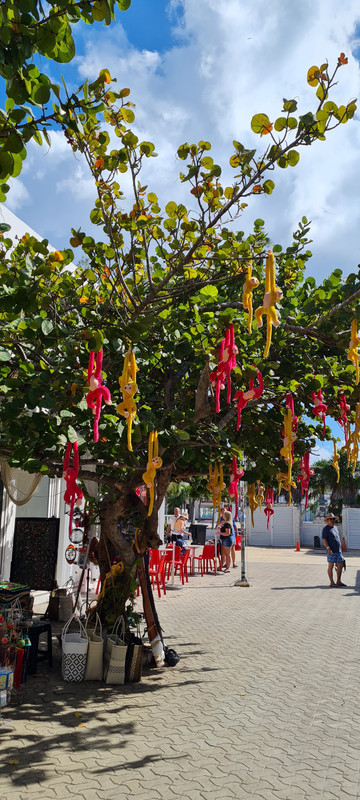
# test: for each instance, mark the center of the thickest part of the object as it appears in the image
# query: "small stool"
(39, 626)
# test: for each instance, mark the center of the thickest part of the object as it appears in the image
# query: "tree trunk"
(128, 531)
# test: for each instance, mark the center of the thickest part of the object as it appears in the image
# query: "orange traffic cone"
(298, 547)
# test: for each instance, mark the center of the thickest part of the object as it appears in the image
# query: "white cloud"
(227, 62)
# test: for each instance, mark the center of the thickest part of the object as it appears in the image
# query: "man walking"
(331, 539)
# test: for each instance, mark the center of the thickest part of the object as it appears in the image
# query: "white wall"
(284, 527)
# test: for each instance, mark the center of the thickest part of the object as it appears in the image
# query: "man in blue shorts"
(331, 539)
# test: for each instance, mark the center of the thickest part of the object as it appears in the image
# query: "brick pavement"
(264, 703)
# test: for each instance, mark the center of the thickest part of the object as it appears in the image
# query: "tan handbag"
(115, 654)
(95, 654)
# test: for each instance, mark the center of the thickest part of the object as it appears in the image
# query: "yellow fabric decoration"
(353, 354)
(253, 503)
(129, 388)
(154, 463)
(272, 295)
(250, 284)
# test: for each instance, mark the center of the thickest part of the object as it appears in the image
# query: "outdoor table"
(192, 547)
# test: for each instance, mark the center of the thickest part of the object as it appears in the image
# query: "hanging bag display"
(74, 651)
(61, 604)
(115, 654)
(134, 657)
(95, 653)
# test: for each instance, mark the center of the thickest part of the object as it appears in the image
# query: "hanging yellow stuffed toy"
(250, 284)
(260, 497)
(272, 295)
(335, 461)
(353, 354)
(154, 463)
(129, 388)
(286, 483)
(216, 486)
(253, 503)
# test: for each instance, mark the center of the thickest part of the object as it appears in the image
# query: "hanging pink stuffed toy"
(97, 392)
(242, 398)
(227, 362)
(305, 474)
(268, 510)
(342, 419)
(236, 475)
(73, 494)
(320, 408)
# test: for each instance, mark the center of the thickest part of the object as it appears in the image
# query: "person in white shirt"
(171, 525)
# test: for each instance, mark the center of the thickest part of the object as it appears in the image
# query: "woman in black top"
(226, 536)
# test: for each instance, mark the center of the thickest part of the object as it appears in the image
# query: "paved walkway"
(264, 703)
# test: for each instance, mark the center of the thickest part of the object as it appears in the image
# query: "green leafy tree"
(169, 281)
(31, 31)
(325, 479)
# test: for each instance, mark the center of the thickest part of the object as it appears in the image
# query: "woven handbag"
(115, 654)
(95, 653)
(74, 651)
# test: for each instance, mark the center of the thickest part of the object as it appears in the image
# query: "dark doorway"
(35, 551)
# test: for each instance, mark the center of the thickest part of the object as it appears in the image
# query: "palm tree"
(325, 478)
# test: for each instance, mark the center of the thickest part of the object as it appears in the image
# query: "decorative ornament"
(154, 463)
(250, 494)
(353, 353)
(320, 408)
(268, 510)
(73, 494)
(335, 461)
(342, 419)
(227, 362)
(97, 392)
(260, 496)
(236, 475)
(129, 388)
(250, 284)
(70, 554)
(272, 295)
(305, 474)
(216, 485)
(243, 398)
(285, 483)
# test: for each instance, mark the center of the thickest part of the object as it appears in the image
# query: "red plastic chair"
(207, 556)
(184, 560)
(157, 575)
(154, 559)
(177, 562)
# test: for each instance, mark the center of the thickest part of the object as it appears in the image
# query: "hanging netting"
(20, 485)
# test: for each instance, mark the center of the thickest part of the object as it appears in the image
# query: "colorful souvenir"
(250, 284)
(154, 463)
(129, 388)
(73, 494)
(320, 408)
(236, 475)
(272, 296)
(97, 392)
(216, 486)
(253, 504)
(268, 510)
(243, 398)
(353, 353)
(227, 362)
(305, 474)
